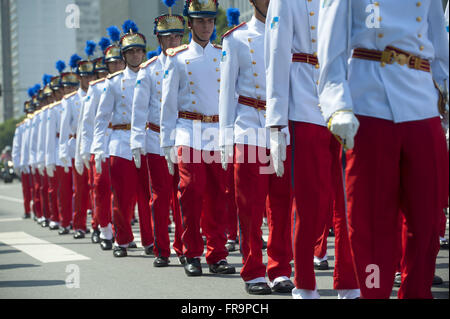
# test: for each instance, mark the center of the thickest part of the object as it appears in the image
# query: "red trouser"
(202, 186)
(37, 205)
(65, 195)
(102, 194)
(252, 187)
(176, 214)
(43, 191)
(344, 271)
(81, 198)
(53, 187)
(312, 187)
(162, 188)
(126, 182)
(232, 218)
(26, 190)
(395, 167)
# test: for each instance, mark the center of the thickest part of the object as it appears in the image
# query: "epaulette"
(233, 29)
(147, 63)
(29, 116)
(67, 96)
(175, 51)
(110, 76)
(96, 81)
(217, 46)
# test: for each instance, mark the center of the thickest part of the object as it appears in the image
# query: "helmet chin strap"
(257, 9)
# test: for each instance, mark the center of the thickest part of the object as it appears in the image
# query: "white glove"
(345, 125)
(137, 152)
(86, 157)
(226, 155)
(99, 158)
(79, 167)
(168, 154)
(51, 170)
(41, 168)
(65, 162)
(278, 150)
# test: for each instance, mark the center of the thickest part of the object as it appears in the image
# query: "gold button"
(419, 35)
(157, 73)
(380, 35)
(191, 83)
(218, 80)
(160, 100)
(159, 92)
(159, 82)
(217, 69)
(377, 4)
(255, 74)
(123, 89)
(252, 51)
(379, 19)
(317, 66)
(123, 96)
(187, 62)
(258, 97)
(215, 60)
(124, 113)
(311, 13)
(419, 19)
(313, 40)
(315, 53)
(317, 82)
(254, 62)
(383, 64)
(419, 4)
(313, 27)
(193, 102)
(257, 86)
(190, 73)
(193, 92)
(249, 40)
(421, 48)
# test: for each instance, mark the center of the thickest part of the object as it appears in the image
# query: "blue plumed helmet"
(169, 23)
(114, 33)
(90, 48)
(104, 43)
(201, 8)
(132, 38)
(74, 59)
(113, 52)
(233, 15)
(60, 66)
(87, 67)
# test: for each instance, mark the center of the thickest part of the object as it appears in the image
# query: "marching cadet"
(190, 107)
(71, 105)
(243, 133)
(41, 149)
(17, 155)
(69, 82)
(399, 156)
(127, 182)
(292, 99)
(145, 137)
(102, 182)
(34, 124)
(53, 182)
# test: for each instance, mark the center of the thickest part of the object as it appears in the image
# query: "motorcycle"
(7, 172)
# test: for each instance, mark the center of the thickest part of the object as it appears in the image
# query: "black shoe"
(437, 281)
(161, 262)
(26, 216)
(204, 240)
(95, 238)
(182, 260)
(398, 280)
(222, 267)
(34, 218)
(283, 287)
(45, 223)
(64, 231)
(133, 221)
(53, 227)
(149, 250)
(106, 244)
(231, 246)
(444, 243)
(169, 229)
(323, 265)
(132, 245)
(120, 251)
(259, 288)
(264, 246)
(87, 231)
(79, 234)
(192, 267)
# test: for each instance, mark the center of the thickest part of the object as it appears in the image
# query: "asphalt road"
(81, 270)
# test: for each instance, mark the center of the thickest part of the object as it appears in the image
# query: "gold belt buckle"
(208, 118)
(401, 59)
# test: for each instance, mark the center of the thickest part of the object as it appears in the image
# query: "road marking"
(39, 249)
(11, 199)
(10, 220)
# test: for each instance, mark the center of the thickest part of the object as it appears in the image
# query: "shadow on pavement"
(30, 283)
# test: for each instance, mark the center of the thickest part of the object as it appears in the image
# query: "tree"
(7, 130)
